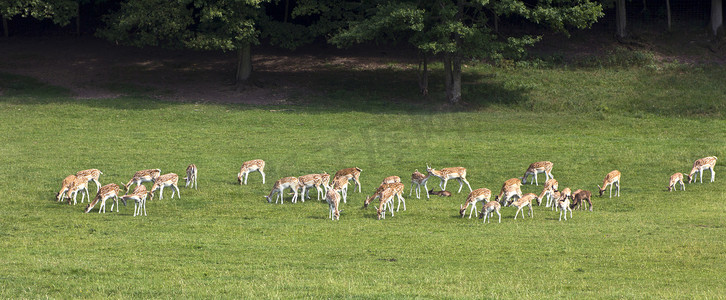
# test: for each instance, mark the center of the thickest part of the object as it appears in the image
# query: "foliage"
(58, 11)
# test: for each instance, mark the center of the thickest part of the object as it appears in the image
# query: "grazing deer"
(397, 187)
(565, 194)
(166, 180)
(139, 196)
(191, 176)
(526, 200)
(333, 199)
(676, 178)
(612, 178)
(250, 166)
(310, 181)
(107, 191)
(580, 196)
(391, 179)
(488, 208)
(538, 168)
(564, 205)
(143, 176)
(350, 174)
(458, 173)
(510, 189)
(386, 196)
(79, 184)
(706, 163)
(549, 189)
(91, 175)
(474, 197)
(341, 184)
(439, 193)
(280, 186)
(417, 179)
(67, 182)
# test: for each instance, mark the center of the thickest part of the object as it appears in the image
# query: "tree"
(58, 11)
(227, 25)
(457, 29)
(716, 16)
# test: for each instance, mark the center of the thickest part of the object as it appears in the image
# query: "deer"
(538, 168)
(256, 165)
(350, 174)
(510, 189)
(564, 205)
(166, 180)
(386, 196)
(478, 195)
(139, 196)
(333, 199)
(439, 193)
(91, 175)
(142, 176)
(309, 181)
(64, 187)
(549, 189)
(79, 184)
(398, 187)
(526, 200)
(325, 179)
(341, 184)
(676, 178)
(279, 186)
(488, 208)
(579, 197)
(565, 193)
(706, 163)
(417, 179)
(191, 176)
(391, 179)
(445, 174)
(612, 178)
(110, 190)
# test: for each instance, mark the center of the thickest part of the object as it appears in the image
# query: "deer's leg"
(467, 184)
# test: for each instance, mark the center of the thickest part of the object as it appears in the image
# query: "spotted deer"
(445, 174)
(256, 165)
(310, 181)
(418, 179)
(61, 195)
(566, 193)
(523, 202)
(538, 168)
(341, 184)
(107, 191)
(564, 205)
(676, 178)
(333, 199)
(142, 176)
(612, 178)
(139, 196)
(439, 193)
(488, 208)
(166, 180)
(350, 174)
(91, 175)
(386, 196)
(191, 176)
(579, 197)
(510, 189)
(549, 189)
(474, 197)
(280, 186)
(398, 187)
(80, 184)
(700, 165)
(325, 179)
(391, 179)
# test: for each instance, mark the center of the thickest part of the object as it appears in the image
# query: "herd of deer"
(390, 188)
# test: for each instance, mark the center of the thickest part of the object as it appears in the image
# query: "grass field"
(225, 241)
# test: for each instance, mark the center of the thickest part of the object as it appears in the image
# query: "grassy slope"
(225, 240)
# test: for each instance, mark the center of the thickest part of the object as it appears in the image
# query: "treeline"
(446, 30)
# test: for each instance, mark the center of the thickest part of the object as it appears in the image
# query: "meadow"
(225, 241)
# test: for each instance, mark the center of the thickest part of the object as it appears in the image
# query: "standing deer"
(676, 178)
(510, 189)
(488, 208)
(256, 165)
(612, 178)
(107, 191)
(91, 175)
(538, 168)
(191, 176)
(474, 197)
(445, 174)
(279, 188)
(350, 174)
(700, 165)
(143, 176)
(417, 179)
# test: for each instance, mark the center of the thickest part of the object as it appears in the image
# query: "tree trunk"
(620, 18)
(5, 26)
(78, 20)
(668, 13)
(287, 9)
(244, 63)
(448, 76)
(423, 74)
(452, 72)
(716, 16)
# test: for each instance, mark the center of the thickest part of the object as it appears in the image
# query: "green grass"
(225, 241)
